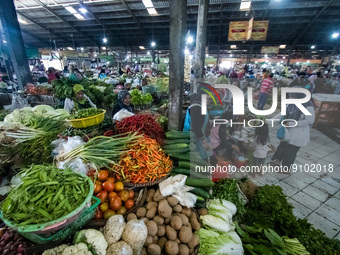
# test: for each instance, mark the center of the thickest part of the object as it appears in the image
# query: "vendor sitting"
(124, 102)
(79, 100)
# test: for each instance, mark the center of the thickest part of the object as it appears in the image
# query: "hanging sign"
(270, 49)
(259, 31)
(250, 28)
(238, 30)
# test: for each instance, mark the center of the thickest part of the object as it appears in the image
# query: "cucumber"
(200, 205)
(176, 141)
(177, 135)
(177, 151)
(185, 164)
(200, 192)
(199, 182)
(191, 164)
(199, 199)
(187, 157)
(175, 146)
(188, 173)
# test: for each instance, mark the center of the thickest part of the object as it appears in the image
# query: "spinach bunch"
(270, 209)
(227, 189)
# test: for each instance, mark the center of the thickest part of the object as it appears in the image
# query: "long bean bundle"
(45, 194)
(102, 151)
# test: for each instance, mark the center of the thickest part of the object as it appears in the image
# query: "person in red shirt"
(266, 87)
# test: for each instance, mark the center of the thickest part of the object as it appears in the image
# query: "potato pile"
(170, 226)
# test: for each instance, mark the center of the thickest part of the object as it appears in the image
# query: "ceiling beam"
(40, 40)
(65, 21)
(134, 17)
(299, 34)
(100, 22)
(43, 27)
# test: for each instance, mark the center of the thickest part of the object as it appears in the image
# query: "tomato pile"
(114, 199)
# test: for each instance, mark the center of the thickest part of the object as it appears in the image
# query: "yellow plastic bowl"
(88, 122)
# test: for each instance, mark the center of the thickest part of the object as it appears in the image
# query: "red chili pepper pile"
(143, 124)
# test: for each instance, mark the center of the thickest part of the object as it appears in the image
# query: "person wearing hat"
(79, 100)
(124, 102)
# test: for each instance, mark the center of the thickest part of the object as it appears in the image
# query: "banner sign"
(248, 30)
(238, 30)
(260, 29)
(270, 49)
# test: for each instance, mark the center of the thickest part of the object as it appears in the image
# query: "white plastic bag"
(63, 146)
(122, 114)
(176, 187)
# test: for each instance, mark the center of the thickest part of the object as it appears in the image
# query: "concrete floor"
(315, 196)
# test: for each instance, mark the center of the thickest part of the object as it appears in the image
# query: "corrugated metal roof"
(286, 19)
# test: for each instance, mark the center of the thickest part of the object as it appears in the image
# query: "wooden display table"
(327, 109)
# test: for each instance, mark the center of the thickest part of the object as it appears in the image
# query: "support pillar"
(218, 56)
(289, 56)
(201, 38)
(250, 55)
(4, 53)
(176, 71)
(16, 48)
(158, 60)
(153, 55)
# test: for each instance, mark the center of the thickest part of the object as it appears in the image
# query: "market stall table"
(327, 109)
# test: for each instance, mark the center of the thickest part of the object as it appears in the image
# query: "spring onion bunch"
(33, 138)
(102, 151)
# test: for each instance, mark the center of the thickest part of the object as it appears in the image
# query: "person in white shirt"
(261, 145)
(295, 137)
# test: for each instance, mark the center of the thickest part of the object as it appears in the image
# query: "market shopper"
(79, 100)
(102, 74)
(220, 138)
(294, 137)
(124, 102)
(337, 86)
(52, 74)
(261, 145)
(199, 125)
(266, 87)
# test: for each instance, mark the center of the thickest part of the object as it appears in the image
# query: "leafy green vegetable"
(258, 240)
(34, 138)
(227, 189)
(85, 113)
(270, 209)
(216, 243)
(162, 85)
(224, 211)
(223, 80)
(139, 98)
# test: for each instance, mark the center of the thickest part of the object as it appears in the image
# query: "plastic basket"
(88, 122)
(68, 231)
(149, 89)
(52, 226)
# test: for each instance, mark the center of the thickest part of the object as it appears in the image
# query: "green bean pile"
(45, 194)
(85, 113)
